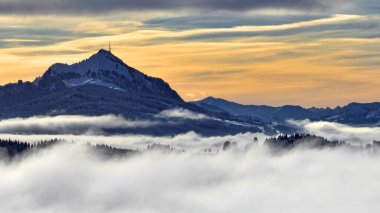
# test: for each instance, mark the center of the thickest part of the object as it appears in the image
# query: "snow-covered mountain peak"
(105, 52)
(101, 62)
(102, 69)
(104, 55)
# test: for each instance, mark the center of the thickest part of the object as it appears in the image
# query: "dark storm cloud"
(93, 6)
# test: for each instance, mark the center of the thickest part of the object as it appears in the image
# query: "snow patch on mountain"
(102, 68)
(106, 70)
(101, 61)
(86, 80)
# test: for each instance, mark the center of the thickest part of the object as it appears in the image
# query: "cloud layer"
(336, 131)
(71, 179)
(93, 129)
(190, 141)
(92, 6)
(69, 124)
(182, 113)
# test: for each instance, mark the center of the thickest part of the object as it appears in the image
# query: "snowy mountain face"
(103, 85)
(103, 69)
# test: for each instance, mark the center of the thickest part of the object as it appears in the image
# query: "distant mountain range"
(104, 84)
(352, 114)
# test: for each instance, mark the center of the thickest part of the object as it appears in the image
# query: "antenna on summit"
(109, 47)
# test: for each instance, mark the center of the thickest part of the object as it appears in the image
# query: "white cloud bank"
(80, 124)
(336, 131)
(65, 124)
(189, 141)
(70, 179)
(182, 113)
(187, 114)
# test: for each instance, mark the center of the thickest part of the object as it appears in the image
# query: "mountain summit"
(103, 69)
(101, 84)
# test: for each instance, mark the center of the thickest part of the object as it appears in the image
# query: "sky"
(274, 52)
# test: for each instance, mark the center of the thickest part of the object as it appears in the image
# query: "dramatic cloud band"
(64, 124)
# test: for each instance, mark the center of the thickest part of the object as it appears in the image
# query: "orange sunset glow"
(260, 56)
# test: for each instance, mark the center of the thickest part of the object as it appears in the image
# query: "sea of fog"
(71, 178)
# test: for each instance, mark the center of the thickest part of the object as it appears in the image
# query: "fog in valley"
(197, 175)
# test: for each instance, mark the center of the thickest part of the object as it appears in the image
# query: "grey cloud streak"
(94, 6)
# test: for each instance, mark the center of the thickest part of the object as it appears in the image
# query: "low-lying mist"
(337, 131)
(70, 177)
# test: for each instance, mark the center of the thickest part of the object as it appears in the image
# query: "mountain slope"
(103, 69)
(354, 113)
(103, 84)
(263, 112)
